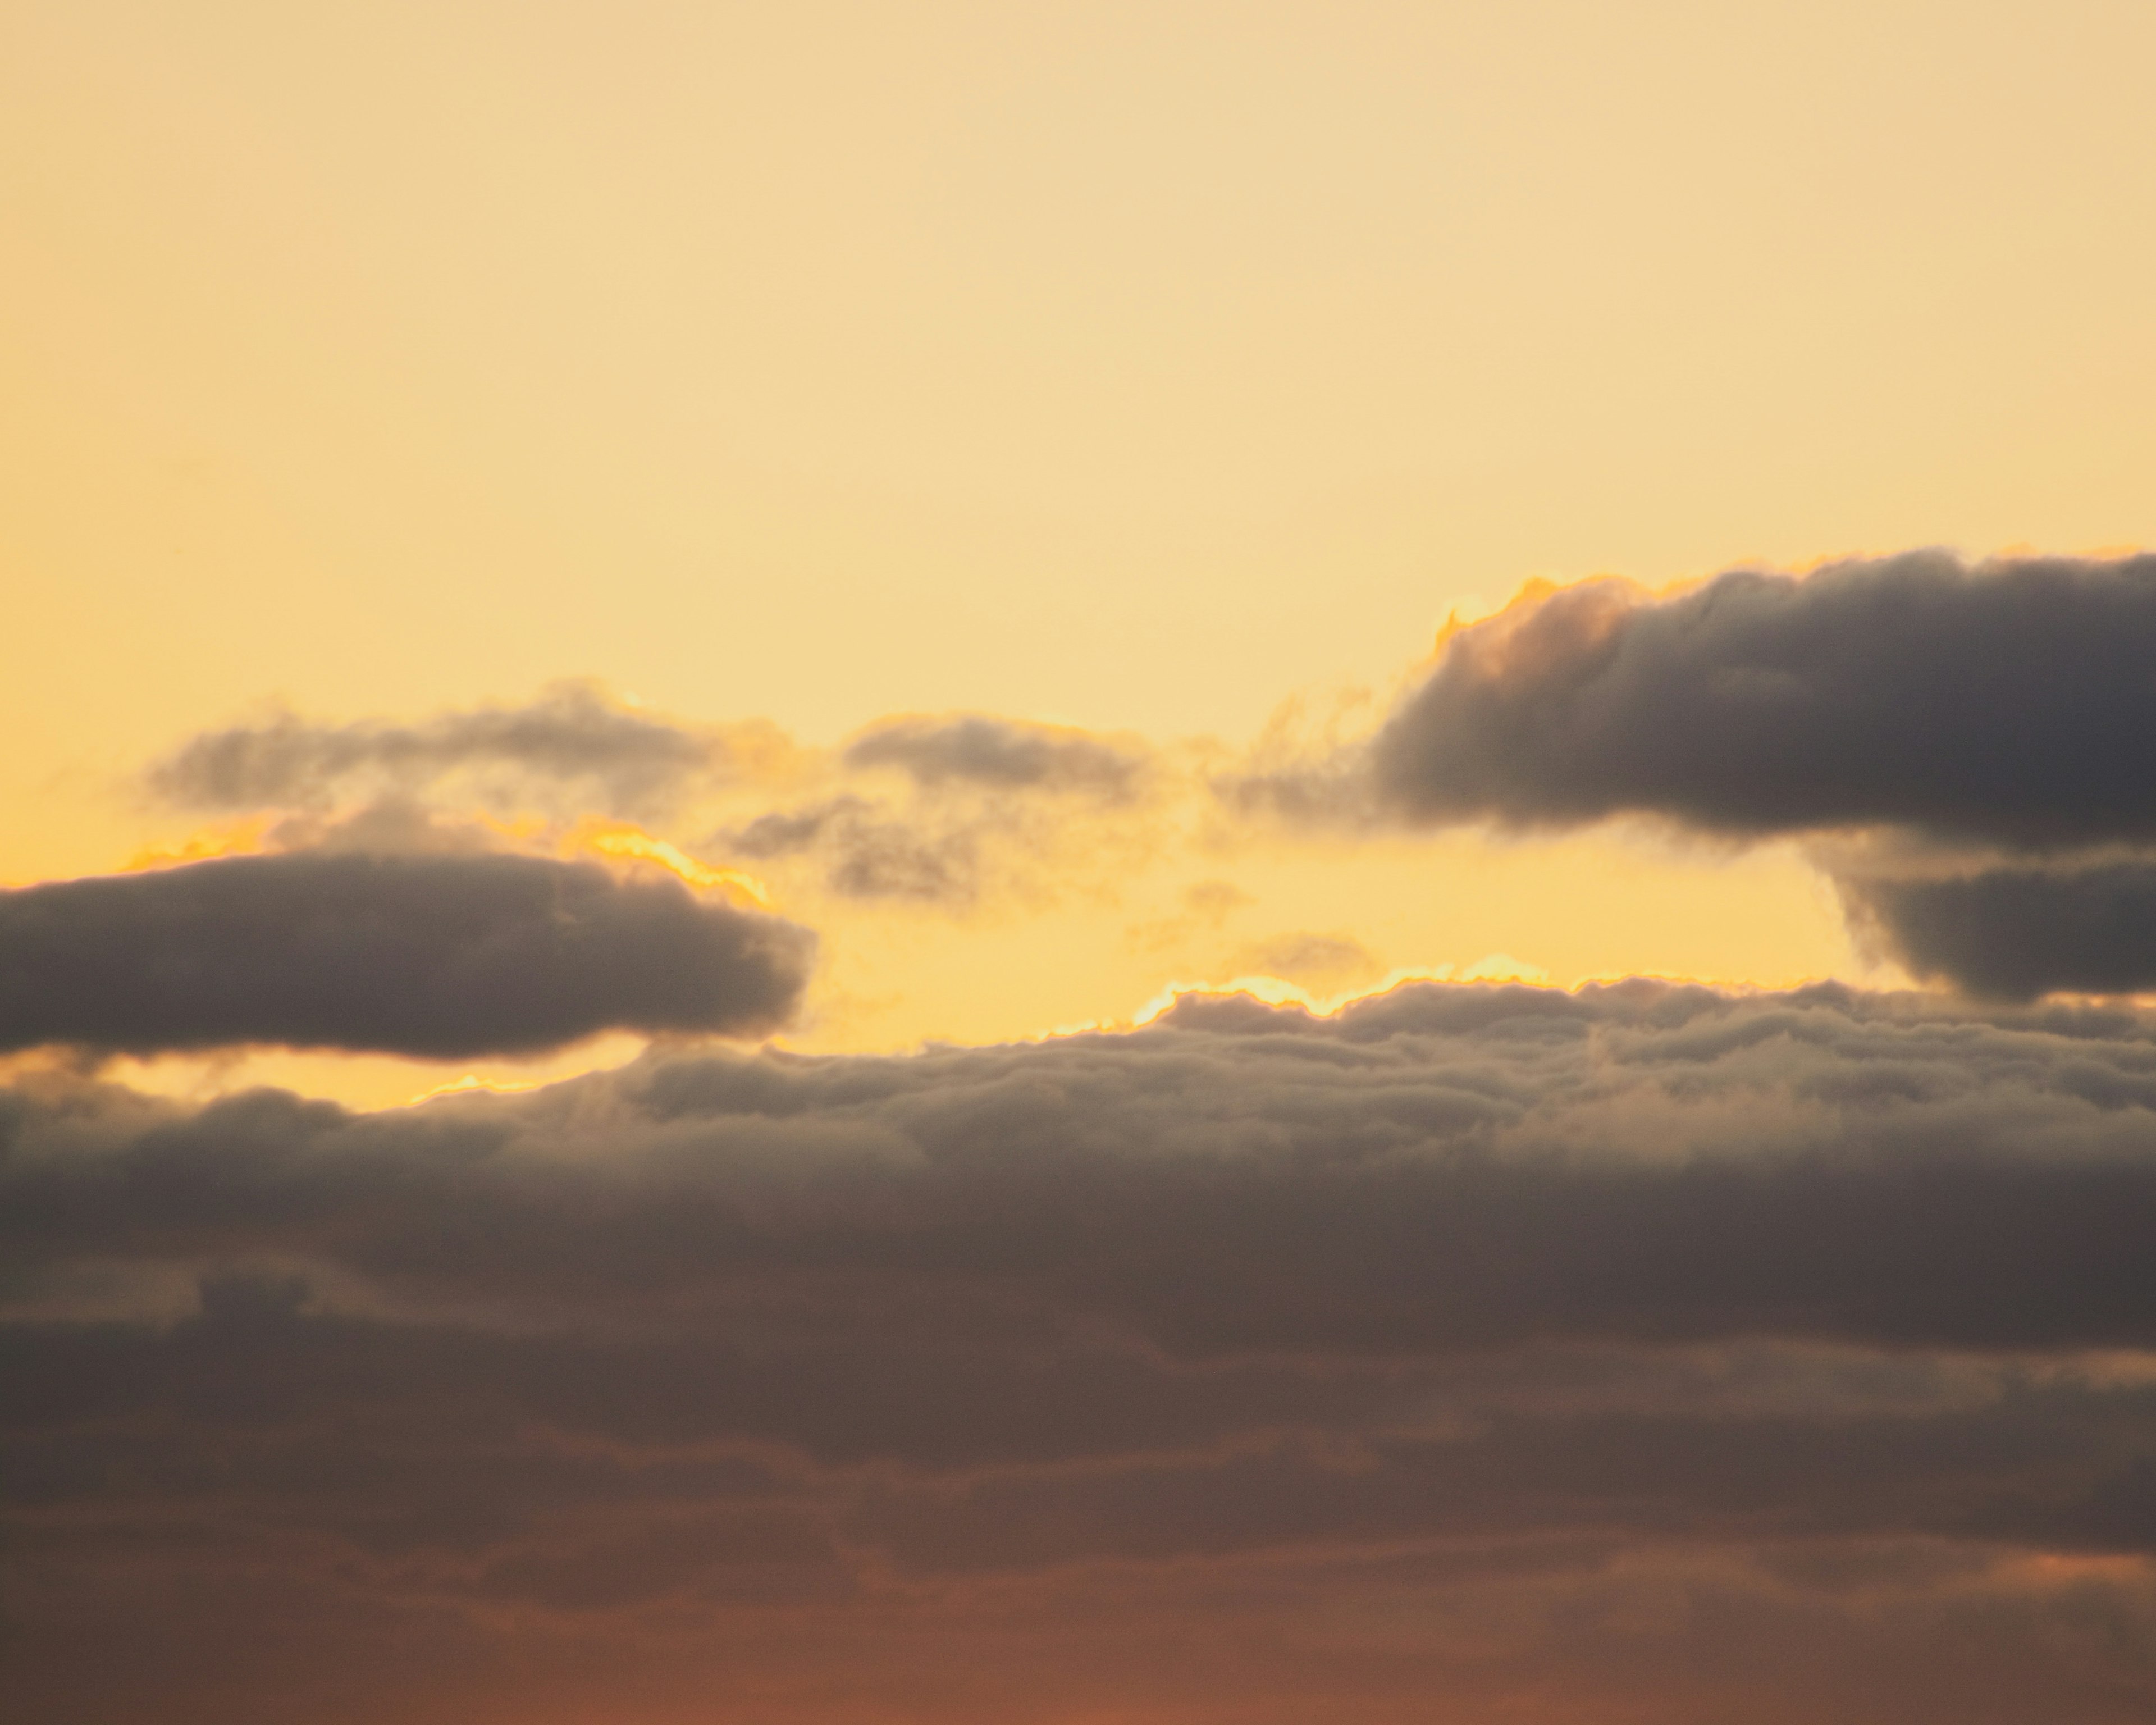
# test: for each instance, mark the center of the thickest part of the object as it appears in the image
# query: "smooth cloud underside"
(1644, 1351)
(2009, 703)
(2014, 933)
(437, 955)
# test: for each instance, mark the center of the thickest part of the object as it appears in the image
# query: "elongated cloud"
(1562, 1342)
(1000, 754)
(1439, 1169)
(2010, 702)
(572, 736)
(438, 956)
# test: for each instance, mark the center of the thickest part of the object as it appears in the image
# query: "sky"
(1072, 864)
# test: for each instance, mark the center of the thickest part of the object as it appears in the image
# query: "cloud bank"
(1645, 1351)
(438, 956)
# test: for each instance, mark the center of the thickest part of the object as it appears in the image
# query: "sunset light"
(1373, 941)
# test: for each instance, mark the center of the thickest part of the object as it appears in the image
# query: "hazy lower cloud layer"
(1480, 1353)
(428, 955)
(2010, 702)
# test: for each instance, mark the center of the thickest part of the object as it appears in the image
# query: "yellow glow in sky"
(1119, 366)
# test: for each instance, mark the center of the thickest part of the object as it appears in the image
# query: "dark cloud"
(2009, 702)
(1641, 1353)
(432, 955)
(2013, 933)
(1412, 1176)
(572, 736)
(1000, 754)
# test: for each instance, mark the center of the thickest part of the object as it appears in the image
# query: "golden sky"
(1130, 367)
(923, 673)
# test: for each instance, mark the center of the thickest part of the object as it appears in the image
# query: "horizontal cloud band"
(439, 956)
(1544, 1336)
(1436, 1169)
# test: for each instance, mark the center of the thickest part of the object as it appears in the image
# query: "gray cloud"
(1414, 1175)
(1619, 1350)
(2014, 933)
(572, 734)
(2010, 702)
(1000, 754)
(869, 852)
(433, 955)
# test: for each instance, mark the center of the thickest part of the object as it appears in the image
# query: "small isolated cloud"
(2007, 702)
(994, 754)
(573, 738)
(435, 955)
(1328, 963)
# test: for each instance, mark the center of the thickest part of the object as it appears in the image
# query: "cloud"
(2008, 702)
(1325, 962)
(869, 852)
(441, 955)
(2013, 933)
(572, 737)
(996, 754)
(1441, 1170)
(1606, 1352)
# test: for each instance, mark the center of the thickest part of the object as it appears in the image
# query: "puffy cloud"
(1001, 754)
(436, 955)
(572, 736)
(1599, 1352)
(1602, 1351)
(1439, 1169)
(2009, 702)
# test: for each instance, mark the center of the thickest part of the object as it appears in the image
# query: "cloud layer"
(2009, 703)
(1643, 1352)
(438, 956)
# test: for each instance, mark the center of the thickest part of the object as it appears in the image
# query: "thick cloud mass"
(1643, 1353)
(2017, 932)
(572, 734)
(2012, 702)
(430, 955)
